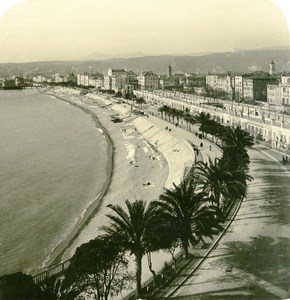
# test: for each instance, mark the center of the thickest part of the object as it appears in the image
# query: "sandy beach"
(142, 153)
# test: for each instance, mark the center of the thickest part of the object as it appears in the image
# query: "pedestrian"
(286, 159)
(209, 147)
(196, 134)
(201, 145)
(283, 160)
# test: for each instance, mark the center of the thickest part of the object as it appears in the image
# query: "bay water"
(53, 162)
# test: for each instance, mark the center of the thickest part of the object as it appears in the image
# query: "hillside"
(240, 61)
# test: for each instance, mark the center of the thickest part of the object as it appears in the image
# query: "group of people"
(285, 160)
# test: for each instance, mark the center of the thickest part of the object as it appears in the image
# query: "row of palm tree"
(190, 212)
(180, 213)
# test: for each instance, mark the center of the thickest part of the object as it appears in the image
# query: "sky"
(41, 30)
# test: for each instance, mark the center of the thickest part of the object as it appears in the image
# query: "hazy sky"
(34, 30)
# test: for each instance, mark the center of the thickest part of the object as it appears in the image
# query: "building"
(148, 80)
(211, 81)
(96, 81)
(116, 72)
(120, 80)
(131, 79)
(272, 129)
(83, 79)
(255, 86)
(248, 89)
(57, 78)
(221, 83)
(118, 83)
(224, 83)
(238, 87)
(8, 84)
(193, 80)
(39, 79)
(272, 68)
(168, 83)
(279, 94)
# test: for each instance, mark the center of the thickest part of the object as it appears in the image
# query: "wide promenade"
(252, 260)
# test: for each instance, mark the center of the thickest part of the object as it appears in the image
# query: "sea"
(53, 162)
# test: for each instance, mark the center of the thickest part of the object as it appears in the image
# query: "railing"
(55, 270)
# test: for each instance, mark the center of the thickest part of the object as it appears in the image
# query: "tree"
(163, 235)
(162, 110)
(131, 228)
(98, 268)
(216, 181)
(18, 286)
(188, 118)
(127, 96)
(50, 288)
(188, 211)
(235, 155)
(140, 101)
(202, 119)
(237, 138)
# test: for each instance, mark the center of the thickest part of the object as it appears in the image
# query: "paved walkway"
(243, 279)
(255, 233)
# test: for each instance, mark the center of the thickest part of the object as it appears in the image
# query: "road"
(253, 259)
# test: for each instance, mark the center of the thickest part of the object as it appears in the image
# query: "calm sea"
(52, 163)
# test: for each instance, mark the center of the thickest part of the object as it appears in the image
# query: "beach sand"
(136, 161)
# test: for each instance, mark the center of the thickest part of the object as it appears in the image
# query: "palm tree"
(203, 119)
(162, 110)
(132, 229)
(166, 110)
(188, 211)
(216, 181)
(179, 115)
(235, 141)
(237, 138)
(140, 101)
(188, 119)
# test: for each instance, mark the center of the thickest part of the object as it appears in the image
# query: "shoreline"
(58, 251)
(127, 180)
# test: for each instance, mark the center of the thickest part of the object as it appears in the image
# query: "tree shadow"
(272, 185)
(265, 257)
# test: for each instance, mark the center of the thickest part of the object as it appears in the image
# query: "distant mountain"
(103, 56)
(236, 61)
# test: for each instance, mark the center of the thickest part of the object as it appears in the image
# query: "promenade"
(250, 260)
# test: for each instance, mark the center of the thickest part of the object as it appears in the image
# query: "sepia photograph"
(144, 149)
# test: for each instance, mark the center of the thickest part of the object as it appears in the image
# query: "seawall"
(178, 153)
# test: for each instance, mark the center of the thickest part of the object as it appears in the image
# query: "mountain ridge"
(231, 61)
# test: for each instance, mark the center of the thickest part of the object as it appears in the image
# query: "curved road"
(253, 259)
